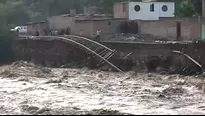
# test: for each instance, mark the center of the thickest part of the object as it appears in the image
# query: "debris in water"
(90, 92)
(172, 91)
(54, 81)
(25, 70)
(105, 112)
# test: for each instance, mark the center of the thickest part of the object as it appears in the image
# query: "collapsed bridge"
(108, 53)
(101, 52)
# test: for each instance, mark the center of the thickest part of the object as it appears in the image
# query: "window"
(124, 7)
(164, 8)
(137, 8)
(152, 7)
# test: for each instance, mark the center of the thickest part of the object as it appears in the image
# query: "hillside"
(22, 11)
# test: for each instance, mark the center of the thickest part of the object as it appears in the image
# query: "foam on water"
(86, 90)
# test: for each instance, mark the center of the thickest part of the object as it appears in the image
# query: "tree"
(5, 35)
(185, 9)
(198, 6)
(16, 13)
(13, 12)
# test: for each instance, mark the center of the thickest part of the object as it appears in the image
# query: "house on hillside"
(144, 10)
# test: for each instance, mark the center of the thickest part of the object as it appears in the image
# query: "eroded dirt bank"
(55, 53)
(29, 89)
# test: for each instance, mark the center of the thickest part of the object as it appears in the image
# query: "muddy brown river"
(29, 89)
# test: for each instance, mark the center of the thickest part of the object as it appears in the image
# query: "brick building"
(89, 24)
(89, 27)
(40, 26)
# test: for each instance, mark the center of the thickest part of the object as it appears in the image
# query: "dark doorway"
(129, 27)
(178, 30)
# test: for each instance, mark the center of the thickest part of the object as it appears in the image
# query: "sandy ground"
(29, 89)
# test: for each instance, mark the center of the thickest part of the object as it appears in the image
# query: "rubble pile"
(21, 68)
(136, 38)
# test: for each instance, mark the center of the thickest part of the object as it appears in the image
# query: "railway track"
(99, 51)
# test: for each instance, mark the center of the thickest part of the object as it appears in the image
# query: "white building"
(144, 10)
(21, 29)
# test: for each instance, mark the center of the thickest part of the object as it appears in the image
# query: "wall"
(159, 28)
(37, 26)
(86, 26)
(106, 26)
(53, 53)
(90, 27)
(121, 10)
(190, 29)
(171, 9)
(30, 30)
(144, 12)
(142, 53)
(60, 22)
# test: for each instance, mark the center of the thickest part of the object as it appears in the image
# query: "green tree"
(11, 13)
(6, 51)
(16, 13)
(198, 6)
(185, 9)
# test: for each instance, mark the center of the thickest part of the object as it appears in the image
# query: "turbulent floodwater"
(29, 89)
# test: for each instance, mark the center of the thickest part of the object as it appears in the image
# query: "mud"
(83, 91)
